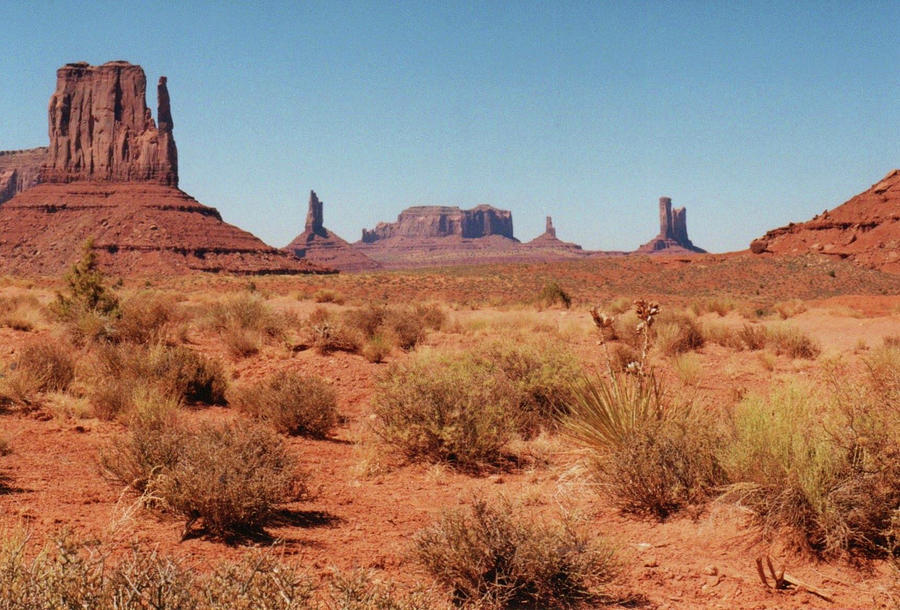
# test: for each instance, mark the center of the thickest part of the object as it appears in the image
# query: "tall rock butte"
(320, 246)
(864, 229)
(111, 173)
(672, 237)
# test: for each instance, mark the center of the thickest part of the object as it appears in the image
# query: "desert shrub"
(618, 305)
(328, 334)
(244, 321)
(664, 465)
(376, 349)
(789, 309)
(445, 408)
(621, 355)
(360, 590)
(753, 336)
(490, 557)
(241, 342)
(432, 315)
(688, 368)
(154, 443)
(230, 478)
(890, 341)
(292, 403)
(539, 373)
(124, 370)
(145, 318)
(678, 333)
(792, 342)
(722, 334)
(50, 363)
(822, 467)
(76, 574)
(553, 293)
(20, 312)
(326, 295)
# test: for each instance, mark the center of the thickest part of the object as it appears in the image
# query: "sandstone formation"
(550, 245)
(423, 222)
(20, 170)
(672, 237)
(865, 230)
(101, 127)
(320, 246)
(111, 174)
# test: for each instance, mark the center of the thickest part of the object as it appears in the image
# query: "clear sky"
(752, 114)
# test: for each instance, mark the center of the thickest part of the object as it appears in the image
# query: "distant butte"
(320, 246)
(672, 237)
(865, 230)
(111, 173)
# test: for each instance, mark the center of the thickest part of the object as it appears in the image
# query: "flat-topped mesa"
(444, 221)
(102, 130)
(672, 237)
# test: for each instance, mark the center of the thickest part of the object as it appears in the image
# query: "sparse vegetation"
(552, 293)
(229, 478)
(445, 408)
(792, 342)
(292, 403)
(490, 557)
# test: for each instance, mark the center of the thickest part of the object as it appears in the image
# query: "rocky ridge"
(865, 230)
(20, 170)
(320, 246)
(111, 174)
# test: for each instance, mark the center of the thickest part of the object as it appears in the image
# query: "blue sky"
(751, 114)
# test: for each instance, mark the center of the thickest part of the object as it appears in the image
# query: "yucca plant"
(607, 410)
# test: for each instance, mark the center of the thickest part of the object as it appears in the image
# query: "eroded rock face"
(102, 129)
(865, 229)
(444, 221)
(20, 170)
(320, 246)
(673, 236)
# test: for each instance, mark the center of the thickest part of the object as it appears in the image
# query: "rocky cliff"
(102, 129)
(110, 173)
(20, 170)
(320, 246)
(423, 222)
(865, 230)
(672, 237)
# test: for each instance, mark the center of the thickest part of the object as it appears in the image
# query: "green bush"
(292, 403)
(540, 373)
(491, 558)
(824, 467)
(445, 408)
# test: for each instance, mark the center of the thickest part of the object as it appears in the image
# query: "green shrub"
(445, 409)
(292, 403)
(490, 558)
(86, 289)
(540, 373)
(824, 467)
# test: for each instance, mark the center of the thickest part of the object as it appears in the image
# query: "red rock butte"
(865, 230)
(110, 173)
(320, 246)
(672, 237)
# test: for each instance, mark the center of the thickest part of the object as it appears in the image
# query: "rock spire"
(673, 236)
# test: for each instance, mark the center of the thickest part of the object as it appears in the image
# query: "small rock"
(651, 563)
(711, 570)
